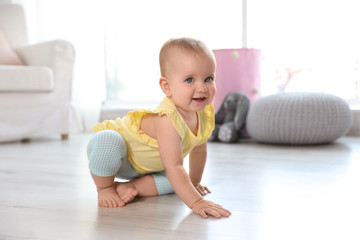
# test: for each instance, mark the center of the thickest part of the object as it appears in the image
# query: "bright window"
(135, 31)
(307, 45)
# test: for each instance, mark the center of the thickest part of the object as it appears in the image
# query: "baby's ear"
(164, 84)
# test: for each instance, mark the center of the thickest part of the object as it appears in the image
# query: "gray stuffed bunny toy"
(230, 118)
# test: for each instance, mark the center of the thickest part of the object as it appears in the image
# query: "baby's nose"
(202, 87)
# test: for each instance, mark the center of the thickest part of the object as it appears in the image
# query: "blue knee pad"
(162, 183)
(106, 152)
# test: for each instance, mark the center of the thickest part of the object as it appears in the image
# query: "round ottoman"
(298, 118)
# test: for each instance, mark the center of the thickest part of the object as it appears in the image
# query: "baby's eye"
(209, 79)
(189, 80)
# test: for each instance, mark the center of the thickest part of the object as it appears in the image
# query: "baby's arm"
(170, 147)
(197, 165)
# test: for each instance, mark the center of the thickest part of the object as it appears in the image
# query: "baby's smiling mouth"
(200, 99)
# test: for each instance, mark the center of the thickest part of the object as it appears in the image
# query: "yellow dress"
(143, 150)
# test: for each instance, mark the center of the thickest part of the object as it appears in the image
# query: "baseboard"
(355, 128)
(113, 113)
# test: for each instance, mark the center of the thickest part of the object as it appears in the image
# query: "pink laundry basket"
(237, 70)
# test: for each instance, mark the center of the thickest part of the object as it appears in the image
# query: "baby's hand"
(202, 189)
(205, 208)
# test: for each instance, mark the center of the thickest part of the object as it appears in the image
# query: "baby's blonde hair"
(185, 43)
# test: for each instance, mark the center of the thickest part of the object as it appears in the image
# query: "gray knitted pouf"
(298, 118)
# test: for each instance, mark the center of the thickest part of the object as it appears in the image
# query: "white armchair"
(35, 99)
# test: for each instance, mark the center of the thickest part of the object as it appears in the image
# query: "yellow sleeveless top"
(143, 150)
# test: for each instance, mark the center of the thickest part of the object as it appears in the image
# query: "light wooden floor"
(274, 192)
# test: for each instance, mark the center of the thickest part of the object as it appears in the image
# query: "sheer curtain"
(81, 23)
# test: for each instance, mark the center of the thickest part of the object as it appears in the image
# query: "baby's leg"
(106, 151)
(148, 186)
(145, 187)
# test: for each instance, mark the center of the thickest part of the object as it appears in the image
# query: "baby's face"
(191, 79)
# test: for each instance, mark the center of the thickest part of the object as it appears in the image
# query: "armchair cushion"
(7, 55)
(54, 54)
(26, 79)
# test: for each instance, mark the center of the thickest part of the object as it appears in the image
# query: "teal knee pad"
(162, 183)
(106, 151)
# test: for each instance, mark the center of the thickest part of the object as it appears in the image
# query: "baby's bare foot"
(109, 197)
(126, 191)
